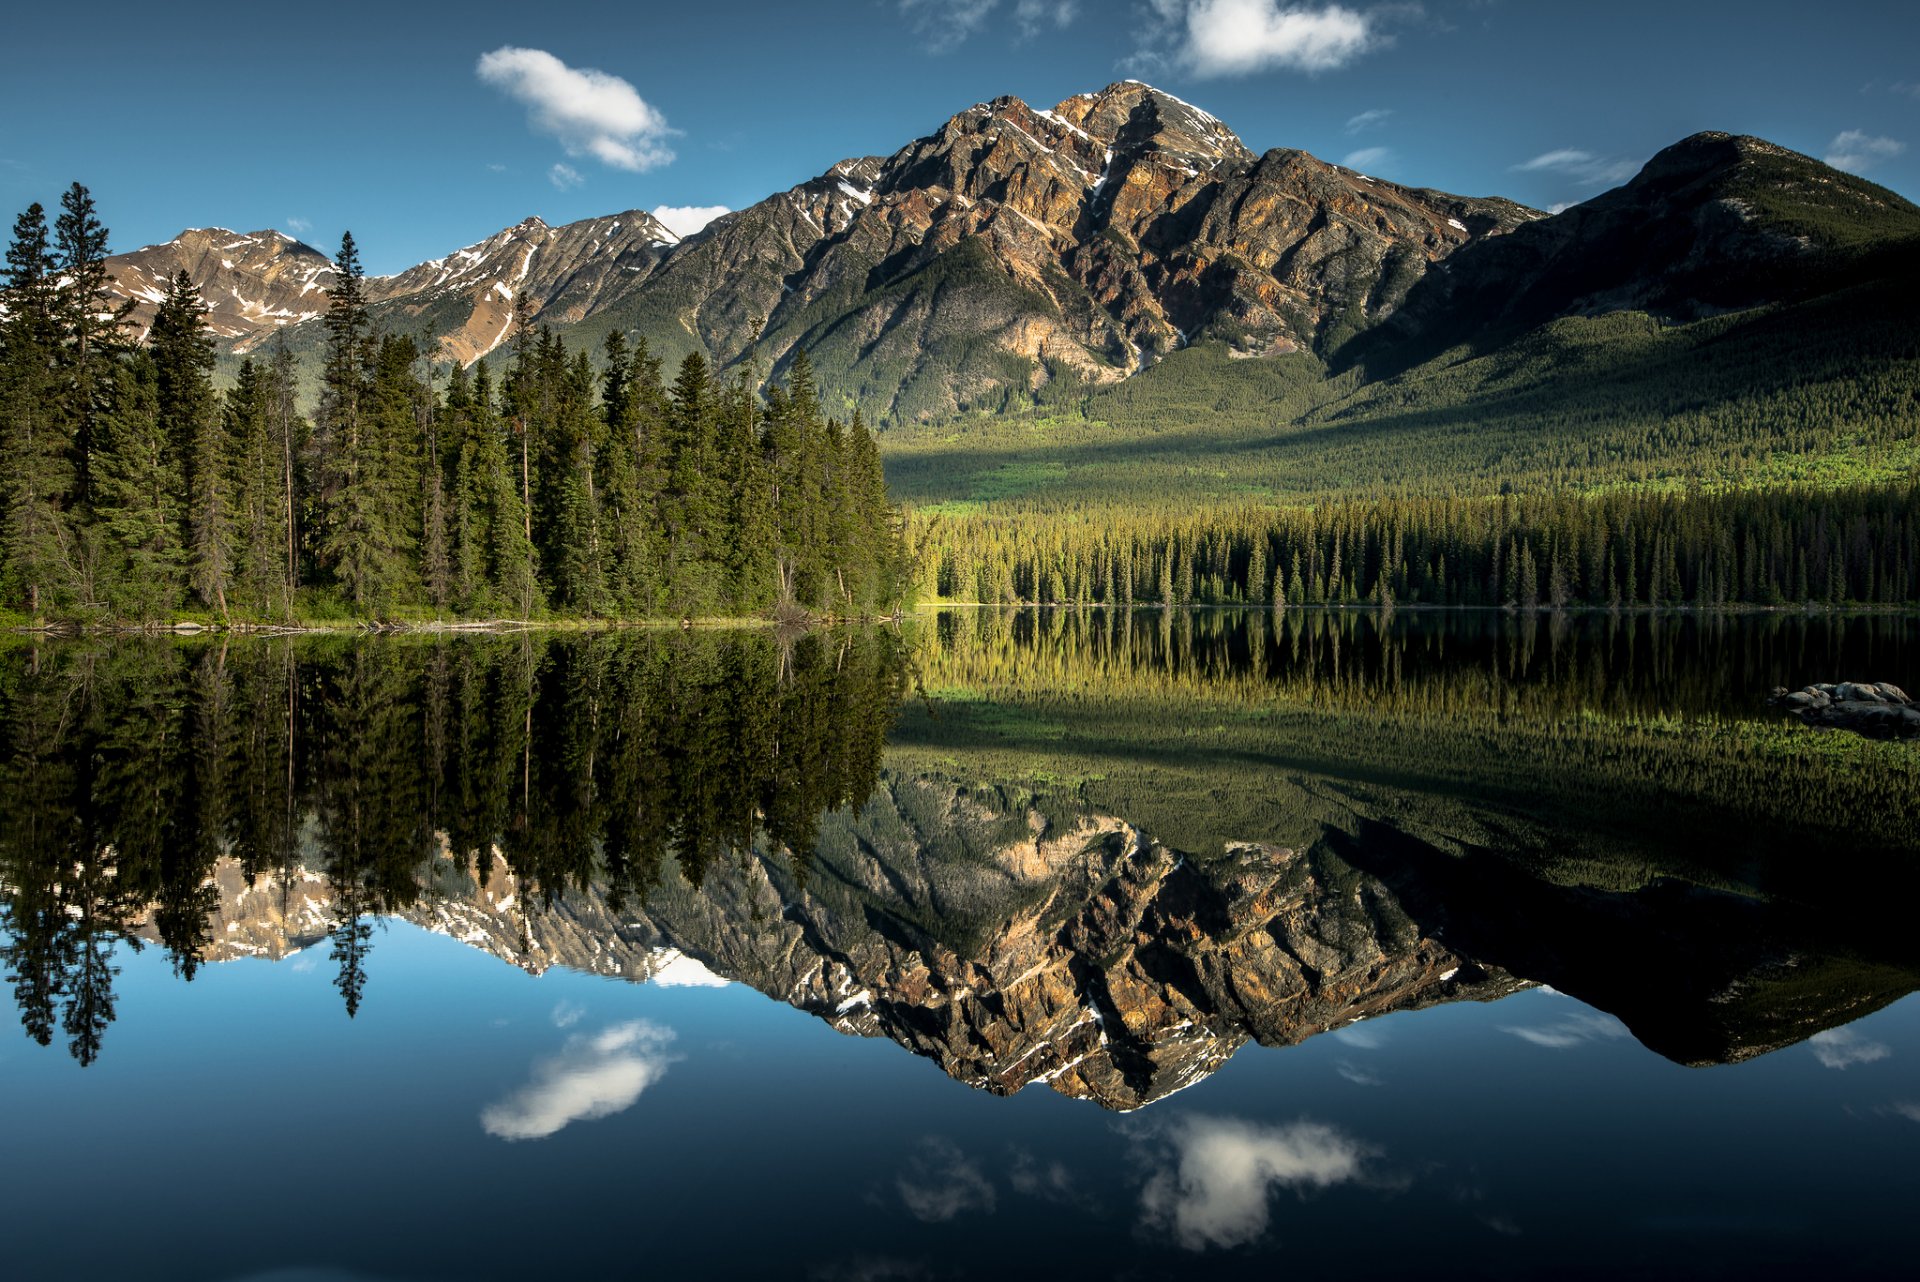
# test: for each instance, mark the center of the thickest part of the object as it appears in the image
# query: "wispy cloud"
(1570, 1031)
(1366, 120)
(683, 221)
(941, 1182)
(1857, 151)
(592, 1077)
(1214, 1186)
(946, 24)
(1031, 17)
(1581, 166)
(299, 226)
(1368, 158)
(564, 176)
(1843, 1048)
(591, 112)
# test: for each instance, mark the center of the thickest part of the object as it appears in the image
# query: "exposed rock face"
(252, 283)
(1875, 709)
(259, 283)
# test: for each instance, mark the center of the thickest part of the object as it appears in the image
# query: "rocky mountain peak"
(253, 283)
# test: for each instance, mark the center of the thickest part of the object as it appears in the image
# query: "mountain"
(1715, 223)
(254, 284)
(1010, 246)
(262, 283)
(1018, 256)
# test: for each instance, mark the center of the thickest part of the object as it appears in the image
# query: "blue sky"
(378, 117)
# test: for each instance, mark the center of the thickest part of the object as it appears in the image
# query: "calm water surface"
(1051, 944)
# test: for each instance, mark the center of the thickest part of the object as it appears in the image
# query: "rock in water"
(1877, 709)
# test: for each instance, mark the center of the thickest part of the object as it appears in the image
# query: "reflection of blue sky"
(592, 1077)
(1213, 1186)
(1845, 1048)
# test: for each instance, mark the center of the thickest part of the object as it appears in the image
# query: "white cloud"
(566, 1014)
(1560, 206)
(1215, 1191)
(684, 220)
(941, 1182)
(1574, 1030)
(496, 167)
(564, 176)
(1367, 157)
(592, 1077)
(590, 112)
(1581, 166)
(1843, 1048)
(1371, 119)
(1239, 37)
(946, 23)
(299, 226)
(1907, 1109)
(1857, 151)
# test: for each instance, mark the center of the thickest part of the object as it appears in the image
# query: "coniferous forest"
(547, 485)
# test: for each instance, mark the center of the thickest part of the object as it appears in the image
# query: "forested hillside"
(417, 489)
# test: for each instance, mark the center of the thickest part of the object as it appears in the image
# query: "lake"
(1062, 943)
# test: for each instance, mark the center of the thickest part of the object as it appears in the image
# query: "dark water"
(1055, 944)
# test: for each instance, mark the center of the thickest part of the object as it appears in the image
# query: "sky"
(423, 128)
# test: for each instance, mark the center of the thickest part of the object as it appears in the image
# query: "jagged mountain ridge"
(1091, 238)
(1016, 245)
(261, 283)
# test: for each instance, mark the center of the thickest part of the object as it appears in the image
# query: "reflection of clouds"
(1048, 1181)
(1570, 1031)
(941, 1182)
(1223, 1169)
(1357, 1075)
(1844, 1048)
(1359, 1037)
(566, 1014)
(591, 1077)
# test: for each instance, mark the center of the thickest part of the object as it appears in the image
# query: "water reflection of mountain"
(637, 805)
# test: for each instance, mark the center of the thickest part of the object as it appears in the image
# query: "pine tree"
(38, 474)
(89, 322)
(137, 495)
(182, 348)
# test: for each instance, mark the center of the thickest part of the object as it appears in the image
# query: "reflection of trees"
(130, 769)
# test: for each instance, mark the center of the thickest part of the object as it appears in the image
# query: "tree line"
(134, 488)
(135, 771)
(1791, 546)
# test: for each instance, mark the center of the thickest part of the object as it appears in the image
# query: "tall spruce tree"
(38, 473)
(89, 321)
(195, 430)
